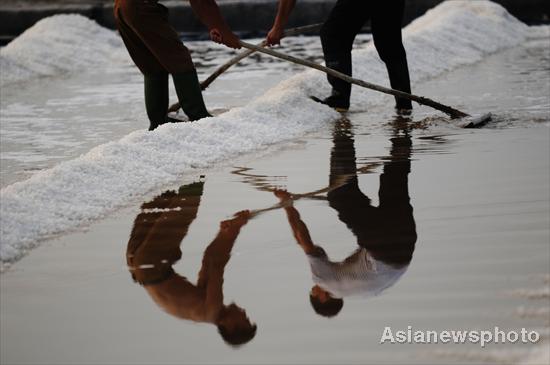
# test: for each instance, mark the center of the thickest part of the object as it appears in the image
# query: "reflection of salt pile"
(59, 44)
(78, 191)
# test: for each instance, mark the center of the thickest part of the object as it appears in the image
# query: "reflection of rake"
(258, 181)
(293, 197)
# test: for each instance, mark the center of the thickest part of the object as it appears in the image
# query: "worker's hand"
(239, 220)
(284, 196)
(215, 35)
(274, 36)
(228, 38)
(242, 217)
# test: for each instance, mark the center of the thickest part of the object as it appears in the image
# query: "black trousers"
(340, 29)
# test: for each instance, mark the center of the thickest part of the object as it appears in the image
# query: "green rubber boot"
(189, 94)
(156, 98)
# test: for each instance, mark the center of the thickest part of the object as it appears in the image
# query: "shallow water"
(478, 235)
(57, 119)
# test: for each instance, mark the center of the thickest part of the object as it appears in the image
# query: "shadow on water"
(385, 237)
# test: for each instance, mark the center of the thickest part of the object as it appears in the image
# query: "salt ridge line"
(82, 190)
(108, 176)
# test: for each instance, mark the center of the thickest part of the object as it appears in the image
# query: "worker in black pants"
(338, 33)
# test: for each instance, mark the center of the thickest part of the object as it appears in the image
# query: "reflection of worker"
(154, 247)
(338, 33)
(157, 51)
(386, 234)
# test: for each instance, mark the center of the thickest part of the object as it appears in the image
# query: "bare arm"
(215, 259)
(283, 13)
(209, 14)
(299, 228)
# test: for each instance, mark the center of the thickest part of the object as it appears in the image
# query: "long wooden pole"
(246, 53)
(454, 113)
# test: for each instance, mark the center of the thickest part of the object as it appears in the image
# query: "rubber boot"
(156, 98)
(341, 90)
(336, 101)
(398, 72)
(189, 94)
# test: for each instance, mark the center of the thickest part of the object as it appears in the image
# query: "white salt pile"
(59, 44)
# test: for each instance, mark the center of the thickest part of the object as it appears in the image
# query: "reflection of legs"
(394, 239)
(387, 232)
(394, 179)
(154, 244)
(386, 31)
(337, 36)
(342, 156)
(347, 199)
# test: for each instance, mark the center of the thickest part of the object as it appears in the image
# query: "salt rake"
(248, 52)
(470, 121)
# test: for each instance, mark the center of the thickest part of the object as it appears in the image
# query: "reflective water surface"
(385, 236)
(81, 111)
(306, 252)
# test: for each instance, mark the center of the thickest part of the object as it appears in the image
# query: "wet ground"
(59, 119)
(454, 222)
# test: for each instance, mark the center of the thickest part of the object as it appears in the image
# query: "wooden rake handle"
(454, 113)
(233, 61)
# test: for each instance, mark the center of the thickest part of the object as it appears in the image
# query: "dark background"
(251, 17)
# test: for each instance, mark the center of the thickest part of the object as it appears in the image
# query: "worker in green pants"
(157, 51)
